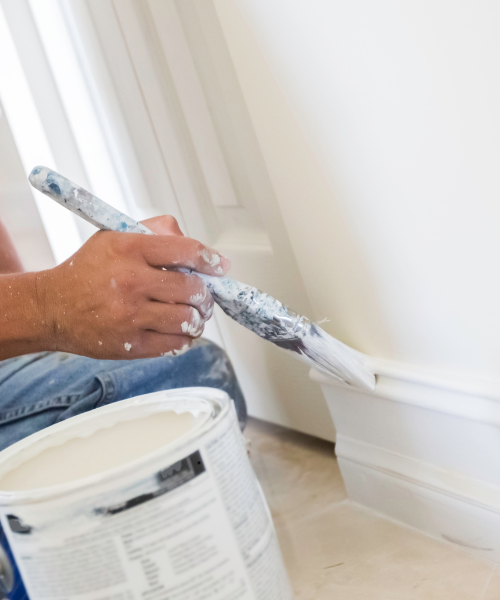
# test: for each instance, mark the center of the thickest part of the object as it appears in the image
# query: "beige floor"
(336, 551)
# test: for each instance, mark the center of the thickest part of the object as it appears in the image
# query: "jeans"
(38, 390)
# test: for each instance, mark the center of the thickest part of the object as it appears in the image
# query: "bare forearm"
(9, 259)
(115, 298)
(23, 326)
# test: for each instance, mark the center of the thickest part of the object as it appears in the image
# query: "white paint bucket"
(176, 514)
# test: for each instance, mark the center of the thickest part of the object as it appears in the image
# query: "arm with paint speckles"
(113, 299)
(23, 326)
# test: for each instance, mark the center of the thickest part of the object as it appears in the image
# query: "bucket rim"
(217, 400)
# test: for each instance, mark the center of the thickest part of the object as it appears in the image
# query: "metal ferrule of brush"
(290, 327)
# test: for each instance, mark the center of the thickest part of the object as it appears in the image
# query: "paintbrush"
(255, 310)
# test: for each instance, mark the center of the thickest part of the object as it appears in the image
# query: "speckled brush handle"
(94, 210)
(82, 203)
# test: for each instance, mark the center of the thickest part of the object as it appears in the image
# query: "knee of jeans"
(90, 398)
(218, 372)
(215, 365)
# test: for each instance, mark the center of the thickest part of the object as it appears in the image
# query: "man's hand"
(112, 299)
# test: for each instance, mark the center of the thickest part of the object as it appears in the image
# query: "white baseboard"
(454, 394)
(423, 450)
(441, 504)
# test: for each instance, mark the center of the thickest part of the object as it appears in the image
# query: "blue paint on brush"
(82, 203)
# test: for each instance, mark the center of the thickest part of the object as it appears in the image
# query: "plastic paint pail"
(151, 498)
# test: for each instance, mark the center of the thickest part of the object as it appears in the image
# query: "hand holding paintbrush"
(112, 300)
(253, 309)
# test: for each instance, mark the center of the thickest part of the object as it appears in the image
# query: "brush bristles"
(337, 360)
(272, 321)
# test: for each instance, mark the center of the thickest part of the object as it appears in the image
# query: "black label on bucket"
(168, 479)
(17, 526)
(182, 471)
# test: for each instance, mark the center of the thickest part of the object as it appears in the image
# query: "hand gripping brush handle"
(255, 310)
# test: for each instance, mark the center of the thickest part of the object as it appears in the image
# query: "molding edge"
(468, 398)
(481, 494)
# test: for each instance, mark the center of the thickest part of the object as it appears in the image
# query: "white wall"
(380, 127)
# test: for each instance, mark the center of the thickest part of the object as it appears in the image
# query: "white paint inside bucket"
(111, 446)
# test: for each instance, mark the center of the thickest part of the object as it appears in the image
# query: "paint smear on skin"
(187, 328)
(127, 346)
(191, 329)
(183, 350)
(195, 328)
(206, 308)
(211, 259)
(197, 298)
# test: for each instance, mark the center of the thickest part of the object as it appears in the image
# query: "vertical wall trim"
(32, 143)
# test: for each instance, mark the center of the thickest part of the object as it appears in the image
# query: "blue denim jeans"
(38, 390)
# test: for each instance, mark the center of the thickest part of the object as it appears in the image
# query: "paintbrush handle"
(236, 299)
(94, 210)
(82, 203)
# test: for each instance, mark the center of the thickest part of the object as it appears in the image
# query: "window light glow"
(32, 144)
